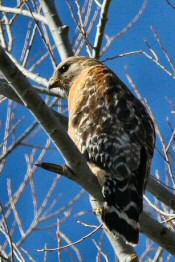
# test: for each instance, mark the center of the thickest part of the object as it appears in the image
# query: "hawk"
(115, 133)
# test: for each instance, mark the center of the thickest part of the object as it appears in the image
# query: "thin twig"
(42, 36)
(23, 12)
(85, 224)
(157, 209)
(170, 4)
(28, 255)
(8, 232)
(101, 251)
(83, 32)
(15, 212)
(73, 243)
(163, 48)
(126, 29)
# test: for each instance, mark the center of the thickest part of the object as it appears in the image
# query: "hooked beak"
(53, 83)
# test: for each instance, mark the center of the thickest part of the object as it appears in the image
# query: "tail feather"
(122, 208)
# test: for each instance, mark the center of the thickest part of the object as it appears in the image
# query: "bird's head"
(67, 72)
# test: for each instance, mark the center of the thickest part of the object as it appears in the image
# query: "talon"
(98, 211)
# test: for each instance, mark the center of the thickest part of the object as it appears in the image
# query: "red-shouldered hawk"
(115, 133)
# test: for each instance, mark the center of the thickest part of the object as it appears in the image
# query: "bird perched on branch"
(114, 131)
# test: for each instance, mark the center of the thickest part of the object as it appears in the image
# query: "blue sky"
(154, 84)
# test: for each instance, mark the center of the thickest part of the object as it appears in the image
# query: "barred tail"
(122, 208)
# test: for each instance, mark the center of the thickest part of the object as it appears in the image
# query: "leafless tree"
(33, 39)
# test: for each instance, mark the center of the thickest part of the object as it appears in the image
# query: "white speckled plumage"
(115, 133)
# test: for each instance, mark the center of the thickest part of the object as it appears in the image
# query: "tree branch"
(19, 11)
(59, 31)
(158, 233)
(101, 29)
(110, 40)
(161, 193)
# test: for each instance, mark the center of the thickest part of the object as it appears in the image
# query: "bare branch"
(126, 29)
(18, 142)
(47, 44)
(101, 28)
(161, 193)
(23, 12)
(8, 233)
(170, 4)
(159, 234)
(15, 212)
(81, 28)
(163, 48)
(73, 243)
(101, 252)
(58, 30)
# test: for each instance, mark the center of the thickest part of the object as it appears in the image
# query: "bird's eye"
(64, 68)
